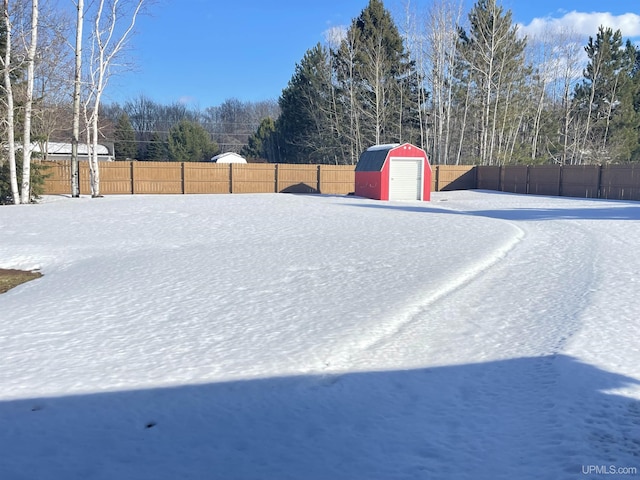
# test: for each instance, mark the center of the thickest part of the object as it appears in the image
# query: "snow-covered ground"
(478, 336)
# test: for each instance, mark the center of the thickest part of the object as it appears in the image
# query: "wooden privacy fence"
(192, 177)
(618, 182)
(614, 182)
(453, 177)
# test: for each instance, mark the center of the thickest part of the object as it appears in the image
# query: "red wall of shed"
(369, 184)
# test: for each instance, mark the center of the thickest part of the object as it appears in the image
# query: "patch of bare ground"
(10, 278)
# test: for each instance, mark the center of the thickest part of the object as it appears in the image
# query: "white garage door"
(405, 179)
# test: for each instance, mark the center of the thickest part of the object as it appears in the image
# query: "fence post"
(599, 190)
(133, 183)
(231, 178)
(277, 179)
(318, 179)
(182, 177)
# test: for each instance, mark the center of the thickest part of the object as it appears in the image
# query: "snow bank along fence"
(193, 177)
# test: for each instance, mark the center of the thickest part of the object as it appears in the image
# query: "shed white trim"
(385, 146)
(405, 178)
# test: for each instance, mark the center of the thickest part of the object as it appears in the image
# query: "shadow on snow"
(543, 417)
(610, 210)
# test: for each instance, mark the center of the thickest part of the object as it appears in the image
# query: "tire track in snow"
(493, 302)
(417, 308)
(529, 317)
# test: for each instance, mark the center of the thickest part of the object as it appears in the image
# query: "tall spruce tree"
(157, 149)
(377, 83)
(605, 100)
(306, 107)
(262, 144)
(125, 146)
(343, 100)
(190, 142)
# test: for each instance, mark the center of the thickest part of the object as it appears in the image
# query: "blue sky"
(203, 52)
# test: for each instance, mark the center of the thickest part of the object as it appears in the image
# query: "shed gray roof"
(372, 159)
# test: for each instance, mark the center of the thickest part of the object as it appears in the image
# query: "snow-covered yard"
(478, 336)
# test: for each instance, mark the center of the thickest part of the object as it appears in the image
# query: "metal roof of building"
(372, 159)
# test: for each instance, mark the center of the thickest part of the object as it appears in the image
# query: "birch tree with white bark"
(113, 24)
(9, 102)
(344, 63)
(377, 81)
(494, 72)
(442, 21)
(27, 148)
(555, 52)
(18, 63)
(77, 87)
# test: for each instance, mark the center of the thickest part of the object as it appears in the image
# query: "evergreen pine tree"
(157, 149)
(605, 99)
(190, 142)
(340, 102)
(378, 84)
(305, 105)
(262, 143)
(125, 147)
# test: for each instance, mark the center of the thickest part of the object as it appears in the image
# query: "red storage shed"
(394, 172)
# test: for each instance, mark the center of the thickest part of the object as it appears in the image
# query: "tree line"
(468, 91)
(465, 86)
(143, 129)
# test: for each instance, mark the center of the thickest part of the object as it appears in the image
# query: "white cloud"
(585, 24)
(186, 99)
(334, 35)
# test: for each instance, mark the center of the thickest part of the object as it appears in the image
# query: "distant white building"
(54, 151)
(228, 157)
